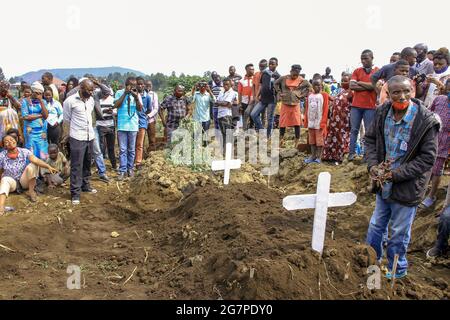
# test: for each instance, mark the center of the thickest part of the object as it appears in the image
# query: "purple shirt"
(14, 168)
(441, 107)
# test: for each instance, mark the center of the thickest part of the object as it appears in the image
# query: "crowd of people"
(50, 134)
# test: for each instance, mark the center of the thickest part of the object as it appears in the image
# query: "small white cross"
(320, 201)
(226, 165)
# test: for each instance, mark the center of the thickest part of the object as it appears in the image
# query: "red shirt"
(245, 89)
(364, 99)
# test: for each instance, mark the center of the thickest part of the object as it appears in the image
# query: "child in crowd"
(58, 161)
(316, 117)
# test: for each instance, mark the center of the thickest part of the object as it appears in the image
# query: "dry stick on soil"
(146, 255)
(6, 248)
(394, 270)
(218, 292)
(137, 234)
(118, 188)
(292, 271)
(329, 282)
(131, 276)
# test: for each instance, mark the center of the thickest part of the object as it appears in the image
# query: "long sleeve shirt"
(78, 114)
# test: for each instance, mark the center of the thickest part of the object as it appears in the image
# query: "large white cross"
(227, 164)
(320, 201)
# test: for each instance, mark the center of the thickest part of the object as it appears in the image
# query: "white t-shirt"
(228, 96)
(433, 91)
(315, 110)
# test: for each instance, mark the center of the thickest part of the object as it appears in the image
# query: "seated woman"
(18, 170)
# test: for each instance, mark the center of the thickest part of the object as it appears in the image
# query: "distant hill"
(64, 74)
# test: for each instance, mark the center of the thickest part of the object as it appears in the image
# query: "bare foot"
(33, 196)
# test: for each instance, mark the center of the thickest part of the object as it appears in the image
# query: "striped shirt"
(108, 118)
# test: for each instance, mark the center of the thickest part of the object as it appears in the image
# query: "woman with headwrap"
(290, 89)
(35, 116)
(9, 119)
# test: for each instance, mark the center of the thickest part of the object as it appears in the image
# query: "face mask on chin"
(400, 106)
(442, 70)
(345, 86)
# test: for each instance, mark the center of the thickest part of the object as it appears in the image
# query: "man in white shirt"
(151, 129)
(224, 112)
(77, 112)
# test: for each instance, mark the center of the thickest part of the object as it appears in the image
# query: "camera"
(421, 77)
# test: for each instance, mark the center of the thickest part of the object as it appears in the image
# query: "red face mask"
(13, 156)
(345, 85)
(399, 106)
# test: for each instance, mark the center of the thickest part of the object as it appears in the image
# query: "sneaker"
(434, 253)
(131, 173)
(317, 161)
(309, 160)
(90, 190)
(104, 178)
(121, 176)
(428, 202)
(351, 157)
(398, 275)
(75, 202)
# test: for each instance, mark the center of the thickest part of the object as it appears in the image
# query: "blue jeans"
(98, 155)
(356, 116)
(256, 116)
(401, 218)
(127, 153)
(443, 230)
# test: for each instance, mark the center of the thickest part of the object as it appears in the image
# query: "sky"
(203, 35)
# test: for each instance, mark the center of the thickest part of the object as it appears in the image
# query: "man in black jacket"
(401, 146)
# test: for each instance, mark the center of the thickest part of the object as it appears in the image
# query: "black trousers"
(80, 166)
(226, 124)
(54, 134)
(107, 136)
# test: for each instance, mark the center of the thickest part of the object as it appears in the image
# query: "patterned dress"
(441, 107)
(35, 131)
(338, 138)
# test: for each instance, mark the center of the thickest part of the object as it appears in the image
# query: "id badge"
(403, 146)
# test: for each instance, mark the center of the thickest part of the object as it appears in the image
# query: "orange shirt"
(364, 99)
(245, 89)
(292, 84)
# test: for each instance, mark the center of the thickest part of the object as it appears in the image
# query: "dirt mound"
(254, 249)
(172, 182)
(183, 235)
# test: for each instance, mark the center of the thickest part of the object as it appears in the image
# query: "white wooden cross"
(227, 164)
(320, 201)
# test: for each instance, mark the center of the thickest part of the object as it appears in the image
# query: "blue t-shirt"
(127, 114)
(146, 108)
(202, 105)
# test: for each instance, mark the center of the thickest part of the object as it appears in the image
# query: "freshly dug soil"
(201, 240)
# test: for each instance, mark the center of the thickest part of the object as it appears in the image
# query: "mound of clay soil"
(252, 248)
(173, 182)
